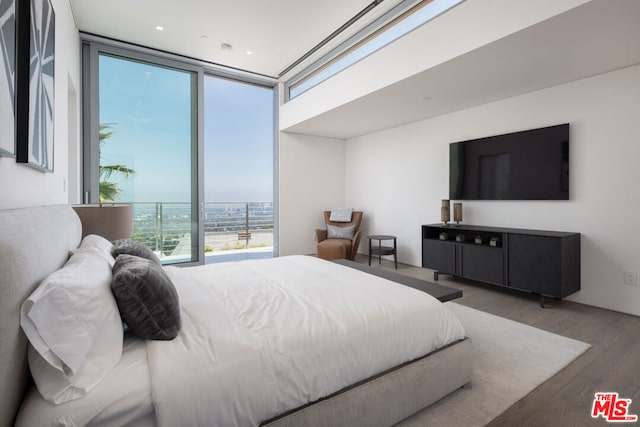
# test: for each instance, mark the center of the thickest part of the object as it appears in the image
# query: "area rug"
(510, 360)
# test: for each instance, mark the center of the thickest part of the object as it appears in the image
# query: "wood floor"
(611, 365)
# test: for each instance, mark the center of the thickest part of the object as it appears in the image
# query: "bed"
(154, 381)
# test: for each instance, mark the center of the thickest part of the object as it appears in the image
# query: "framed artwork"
(7, 77)
(35, 83)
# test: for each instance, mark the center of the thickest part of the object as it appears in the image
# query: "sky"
(148, 109)
(238, 139)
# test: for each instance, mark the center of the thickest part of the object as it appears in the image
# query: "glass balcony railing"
(167, 227)
(237, 225)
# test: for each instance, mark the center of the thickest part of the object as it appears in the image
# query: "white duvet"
(263, 337)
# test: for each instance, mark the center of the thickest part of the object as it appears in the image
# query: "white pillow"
(337, 232)
(99, 244)
(74, 327)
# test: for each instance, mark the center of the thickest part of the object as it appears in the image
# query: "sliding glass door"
(147, 149)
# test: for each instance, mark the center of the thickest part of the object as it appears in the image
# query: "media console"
(545, 263)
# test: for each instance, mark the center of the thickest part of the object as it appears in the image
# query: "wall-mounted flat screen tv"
(528, 165)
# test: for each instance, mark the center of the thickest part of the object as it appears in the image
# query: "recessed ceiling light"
(204, 36)
(226, 46)
(159, 28)
(249, 52)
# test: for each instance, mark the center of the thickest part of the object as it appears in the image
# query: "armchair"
(339, 248)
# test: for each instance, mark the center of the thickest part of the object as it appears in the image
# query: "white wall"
(311, 174)
(21, 185)
(398, 176)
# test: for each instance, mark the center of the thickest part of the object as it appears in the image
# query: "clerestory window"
(369, 40)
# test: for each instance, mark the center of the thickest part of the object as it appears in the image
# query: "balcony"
(233, 230)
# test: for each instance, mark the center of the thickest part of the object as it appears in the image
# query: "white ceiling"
(277, 32)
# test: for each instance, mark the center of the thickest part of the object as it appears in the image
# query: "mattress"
(259, 339)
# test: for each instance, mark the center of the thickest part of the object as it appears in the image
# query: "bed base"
(390, 397)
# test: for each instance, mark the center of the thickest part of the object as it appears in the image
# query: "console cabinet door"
(439, 256)
(482, 263)
(535, 264)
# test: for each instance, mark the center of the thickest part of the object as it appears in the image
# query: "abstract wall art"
(35, 84)
(7, 77)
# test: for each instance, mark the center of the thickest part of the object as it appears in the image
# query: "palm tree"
(109, 191)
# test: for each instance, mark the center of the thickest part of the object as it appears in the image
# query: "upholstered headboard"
(33, 243)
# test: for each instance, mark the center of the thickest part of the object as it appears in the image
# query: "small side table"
(383, 250)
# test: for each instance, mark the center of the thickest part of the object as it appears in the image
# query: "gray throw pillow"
(132, 247)
(336, 232)
(147, 300)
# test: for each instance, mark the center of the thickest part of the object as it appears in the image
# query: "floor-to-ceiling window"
(238, 169)
(144, 131)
